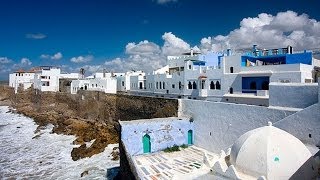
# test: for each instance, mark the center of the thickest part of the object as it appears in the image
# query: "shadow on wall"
(309, 170)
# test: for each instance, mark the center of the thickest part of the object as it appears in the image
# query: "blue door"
(146, 144)
(190, 135)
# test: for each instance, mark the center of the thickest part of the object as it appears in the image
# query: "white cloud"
(268, 31)
(82, 59)
(36, 36)
(56, 56)
(148, 56)
(165, 1)
(25, 62)
(173, 45)
(142, 48)
(5, 60)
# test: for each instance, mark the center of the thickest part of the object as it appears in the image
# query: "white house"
(107, 84)
(21, 78)
(47, 78)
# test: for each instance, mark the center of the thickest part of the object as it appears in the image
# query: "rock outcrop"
(87, 115)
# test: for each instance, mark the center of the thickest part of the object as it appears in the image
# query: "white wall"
(107, 85)
(163, 132)
(303, 123)
(225, 121)
(25, 79)
(295, 95)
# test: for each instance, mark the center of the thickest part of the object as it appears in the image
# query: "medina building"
(216, 140)
(238, 78)
(43, 78)
(21, 78)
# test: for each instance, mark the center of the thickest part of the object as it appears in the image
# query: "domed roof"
(270, 152)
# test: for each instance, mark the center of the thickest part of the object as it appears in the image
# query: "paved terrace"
(187, 163)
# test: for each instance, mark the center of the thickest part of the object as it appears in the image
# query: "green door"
(146, 144)
(190, 135)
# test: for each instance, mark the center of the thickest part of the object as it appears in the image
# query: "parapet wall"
(293, 95)
(218, 125)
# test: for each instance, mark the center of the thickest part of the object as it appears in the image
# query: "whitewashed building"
(241, 78)
(21, 78)
(104, 82)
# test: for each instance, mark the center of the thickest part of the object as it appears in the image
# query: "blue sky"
(128, 34)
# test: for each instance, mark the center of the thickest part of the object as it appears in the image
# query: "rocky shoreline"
(92, 117)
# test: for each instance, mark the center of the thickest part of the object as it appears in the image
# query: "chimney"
(191, 52)
(228, 52)
(290, 49)
(104, 73)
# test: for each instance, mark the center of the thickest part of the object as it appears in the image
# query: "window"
(189, 67)
(157, 85)
(218, 86)
(189, 85)
(194, 85)
(173, 86)
(203, 84)
(231, 90)
(122, 83)
(164, 85)
(160, 85)
(231, 69)
(212, 86)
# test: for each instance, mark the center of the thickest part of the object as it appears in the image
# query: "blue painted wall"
(259, 80)
(211, 58)
(303, 58)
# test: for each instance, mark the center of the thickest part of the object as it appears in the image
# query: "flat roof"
(154, 120)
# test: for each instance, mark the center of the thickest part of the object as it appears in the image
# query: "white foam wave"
(46, 156)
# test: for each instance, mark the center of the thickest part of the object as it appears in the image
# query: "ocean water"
(48, 156)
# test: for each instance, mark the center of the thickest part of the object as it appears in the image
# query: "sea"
(25, 154)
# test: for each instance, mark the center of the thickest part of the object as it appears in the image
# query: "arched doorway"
(146, 144)
(85, 87)
(190, 137)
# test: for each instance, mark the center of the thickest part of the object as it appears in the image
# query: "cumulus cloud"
(142, 48)
(173, 45)
(148, 56)
(36, 36)
(165, 1)
(25, 62)
(144, 55)
(269, 31)
(5, 60)
(82, 59)
(56, 56)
